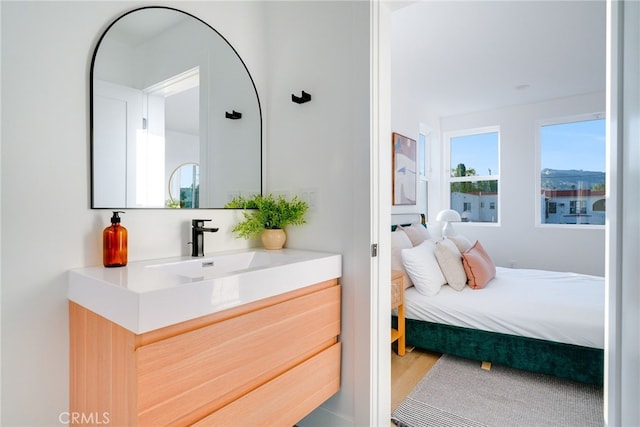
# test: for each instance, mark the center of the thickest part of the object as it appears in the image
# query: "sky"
(479, 152)
(575, 145)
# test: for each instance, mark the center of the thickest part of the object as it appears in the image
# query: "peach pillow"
(478, 265)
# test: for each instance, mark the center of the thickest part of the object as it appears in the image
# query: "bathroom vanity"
(181, 342)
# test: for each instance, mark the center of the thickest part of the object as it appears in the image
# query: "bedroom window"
(424, 145)
(572, 171)
(474, 173)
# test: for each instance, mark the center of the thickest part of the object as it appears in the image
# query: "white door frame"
(622, 327)
(380, 114)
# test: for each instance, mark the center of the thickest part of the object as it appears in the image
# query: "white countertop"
(142, 297)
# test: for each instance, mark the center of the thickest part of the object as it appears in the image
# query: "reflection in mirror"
(184, 186)
(161, 83)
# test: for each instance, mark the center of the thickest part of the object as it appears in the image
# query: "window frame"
(539, 124)
(447, 170)
(425, 135)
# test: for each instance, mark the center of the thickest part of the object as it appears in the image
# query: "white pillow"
(399, 241)
(450, 261)
(462, 243)
(422, 266)
(417, 233)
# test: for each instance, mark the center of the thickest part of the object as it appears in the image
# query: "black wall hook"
(301, 99)
(233, 116)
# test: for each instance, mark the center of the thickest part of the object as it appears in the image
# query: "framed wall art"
(404, 155)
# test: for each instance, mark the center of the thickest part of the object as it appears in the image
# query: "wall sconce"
(448, 216)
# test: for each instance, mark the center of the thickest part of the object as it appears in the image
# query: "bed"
(541, 321)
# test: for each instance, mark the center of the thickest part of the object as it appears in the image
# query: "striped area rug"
(457, 392)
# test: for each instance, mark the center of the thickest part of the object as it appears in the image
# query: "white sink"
(212, 267)
(148, 295)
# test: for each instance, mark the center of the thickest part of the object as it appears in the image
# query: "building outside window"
(572, 171)
(473, 183)
(578, 207)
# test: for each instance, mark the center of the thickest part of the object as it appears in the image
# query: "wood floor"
(407, 370)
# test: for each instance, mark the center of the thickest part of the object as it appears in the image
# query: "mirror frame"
(91, 103)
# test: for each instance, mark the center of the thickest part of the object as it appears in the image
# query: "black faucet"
(197, 236)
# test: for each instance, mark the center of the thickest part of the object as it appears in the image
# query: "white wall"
(323, 146)
(517, 240)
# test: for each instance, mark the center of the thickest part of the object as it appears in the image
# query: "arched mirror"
(168, 90)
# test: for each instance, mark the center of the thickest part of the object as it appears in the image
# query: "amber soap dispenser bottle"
(114, 243)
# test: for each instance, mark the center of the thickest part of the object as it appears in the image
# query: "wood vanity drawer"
(286, 399)
(186, 377)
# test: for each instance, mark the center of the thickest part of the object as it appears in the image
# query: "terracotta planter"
(273, 239)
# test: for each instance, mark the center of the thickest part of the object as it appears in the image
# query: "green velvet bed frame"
(577, 363)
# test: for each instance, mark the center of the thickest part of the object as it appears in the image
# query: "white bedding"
(553, 306)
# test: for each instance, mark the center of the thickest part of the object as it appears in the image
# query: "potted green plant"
(267, 216)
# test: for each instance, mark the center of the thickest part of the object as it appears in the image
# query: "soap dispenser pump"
(114, 243)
